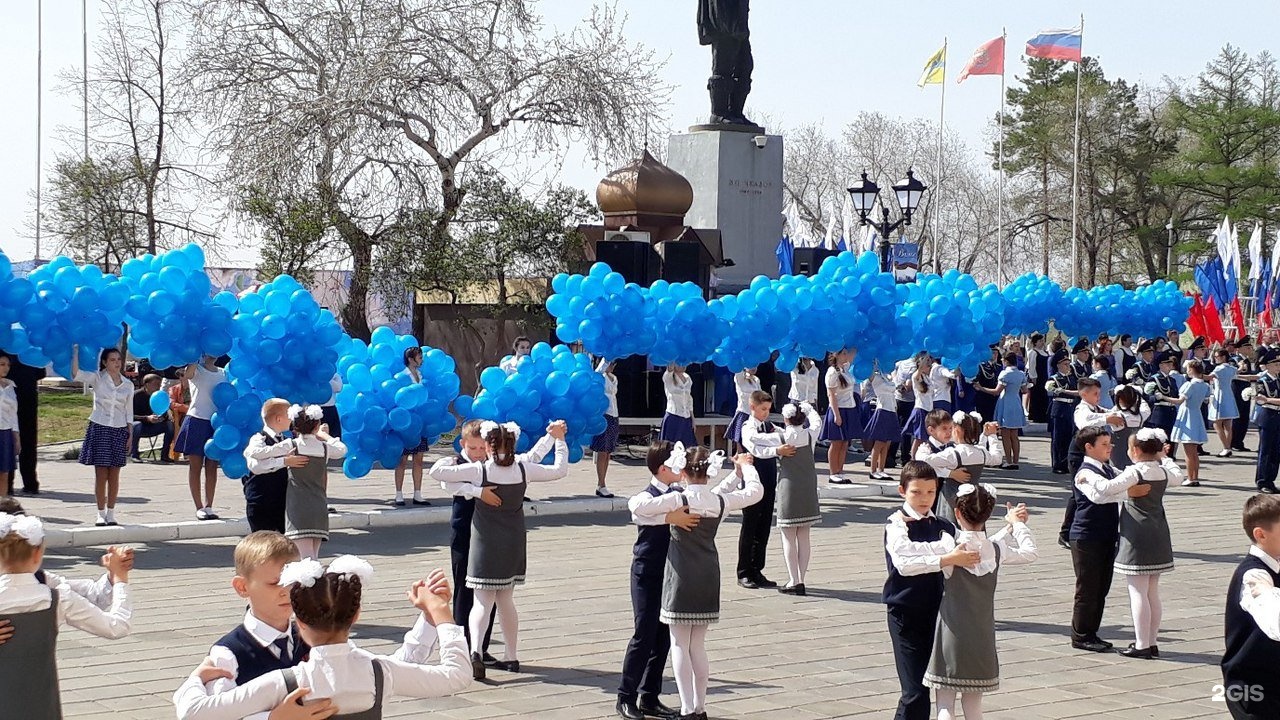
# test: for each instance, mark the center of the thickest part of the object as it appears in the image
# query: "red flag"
(988, 59)
(1264, 317)
(1237, 318)
(1213, 323)
(1195, 320)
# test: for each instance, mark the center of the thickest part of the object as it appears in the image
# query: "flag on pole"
(1195, 319)
(830, 241)
(869, 239)
(988, 59)
(1237, 318)
(1057, 45)
(847, 223)
(935, 69)
(1213, 331)
(1255, 253)
(783, 252)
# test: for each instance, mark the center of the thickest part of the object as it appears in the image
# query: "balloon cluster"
(1145, 312)
(172, 320)
(238, 417)
(685, 329)
(548, 384)
(601, 310)
(15, 293)
(1030, 302)
(952, 317)
(756, 319)
(383, 411)
(72, 305)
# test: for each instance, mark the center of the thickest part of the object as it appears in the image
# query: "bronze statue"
(722, 24)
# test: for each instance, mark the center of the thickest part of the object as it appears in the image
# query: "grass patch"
(63, 416)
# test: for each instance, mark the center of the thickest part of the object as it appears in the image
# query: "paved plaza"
(823, 656)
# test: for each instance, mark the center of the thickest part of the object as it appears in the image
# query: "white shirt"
(902, 372)
(804, 386)
(640, 504)
(1260, 597)
(22, 593)
(419, 642)
(112, 403)
(509, 364)
(1135, 420)
(704, 500)
(202, 386)
(610, 387)
(465, 480)
(884, 389)
(679, 394)
(765, 445)
(844, 393)
(989, 451)
(1017, 547)
(1033, 369)
(342, 673)
(8, 406)
(98, 592)
(258, 456)
(744, 386)
(335, 387)
(1100, 489)
(940, 382)
(1087, 415)
(924, 400)
(910, 557)
(307, 445)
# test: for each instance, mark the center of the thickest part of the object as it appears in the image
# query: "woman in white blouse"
(804, 382)
(677, 421)
(9, 442)
(197, 429)
(106, 440)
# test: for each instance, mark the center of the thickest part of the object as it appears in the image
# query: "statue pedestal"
(737, 189)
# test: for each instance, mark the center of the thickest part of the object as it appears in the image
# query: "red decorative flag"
(1195, 319)
(1213, 323)
(1237, 318)
(988, 59)
(1264, 317)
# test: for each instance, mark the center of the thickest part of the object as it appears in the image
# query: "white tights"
(970, 704)
(796, 551)
(508, 621)
(689, 660)
(1144, 603)
(308, 547)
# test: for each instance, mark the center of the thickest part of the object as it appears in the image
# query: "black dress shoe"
(1133, 652)
(748, 583)
(1103, 642)
(1064, 543)
(489, 660)
(1091, 645)
(421, 502)
(1268, 490)
(764, 582)
(1155, 651)
(477, 667)
(511, 666)
(653, 707)
(797, 589)
(1240, 448)
(1059, 471)
(30, 491)
(627, 710)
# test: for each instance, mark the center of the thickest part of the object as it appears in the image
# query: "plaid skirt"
(104, 446)
(423, 446)
(606, 441)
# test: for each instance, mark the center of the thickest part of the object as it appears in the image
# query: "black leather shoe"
(489, 660)
(1155, 651)
(1064, 543)
(511, 666)
(477, 667)
(1133, 652)
(1091, 645)
(653, 707)
(1104, 642)
(748, 583)
(797, 589)
(1268, 490)
(764, 582)
(627, 710)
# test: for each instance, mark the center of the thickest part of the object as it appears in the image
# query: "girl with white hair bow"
(306, 510)
(797, 488)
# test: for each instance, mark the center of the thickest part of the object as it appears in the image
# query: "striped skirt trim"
(1144, 569)
(688, 618)
(799, 522)
(476, 583)
(961, 684)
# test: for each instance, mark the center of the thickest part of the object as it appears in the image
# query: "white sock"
(417, 496)
(399, 496)
(111, 515)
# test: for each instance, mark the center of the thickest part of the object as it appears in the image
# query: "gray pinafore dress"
(1145, 545)
(691, 580)
(373, 713)
(1120, 447)
(964, 645)
(948, 488)
(29, 665)
(306, 504)
(798, 489)
(498, 541)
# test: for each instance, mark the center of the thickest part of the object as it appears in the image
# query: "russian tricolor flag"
(1056, 45)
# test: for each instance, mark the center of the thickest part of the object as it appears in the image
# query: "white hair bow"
(968, 488)
(715, 463)
(314, 412)
(1146, 434)
(304, 572)
(351, 565)
(789, 411)
(960, 415)
(294, 411)
(512, 428)
(487, 427)
(678, 459)
(24, 526)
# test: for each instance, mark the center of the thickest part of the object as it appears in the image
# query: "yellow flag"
(935, 69)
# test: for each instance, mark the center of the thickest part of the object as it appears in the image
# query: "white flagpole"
(1000, 164)
(1075, 170)
(39, 108)
(937, 185)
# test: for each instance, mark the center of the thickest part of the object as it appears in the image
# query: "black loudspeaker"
(807, 260)
(633, 391)
(680, 261)
(635, 261)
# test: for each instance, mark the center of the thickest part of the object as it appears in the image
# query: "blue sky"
(816, 61)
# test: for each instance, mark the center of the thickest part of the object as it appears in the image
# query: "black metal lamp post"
(909, 191)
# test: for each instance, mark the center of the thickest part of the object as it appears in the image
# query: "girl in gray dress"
(1146, 550)
(498, 543)
(691, 580)
(964, 657)
(306, 504)
(798, 492)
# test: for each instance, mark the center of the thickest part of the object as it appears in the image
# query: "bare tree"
(377, 109)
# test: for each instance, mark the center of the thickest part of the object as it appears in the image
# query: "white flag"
(1255, 253)
(1235, 250)
(1275, 257)
(830, 242)
(850, 227)
(869, 238)
(1222, 238)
